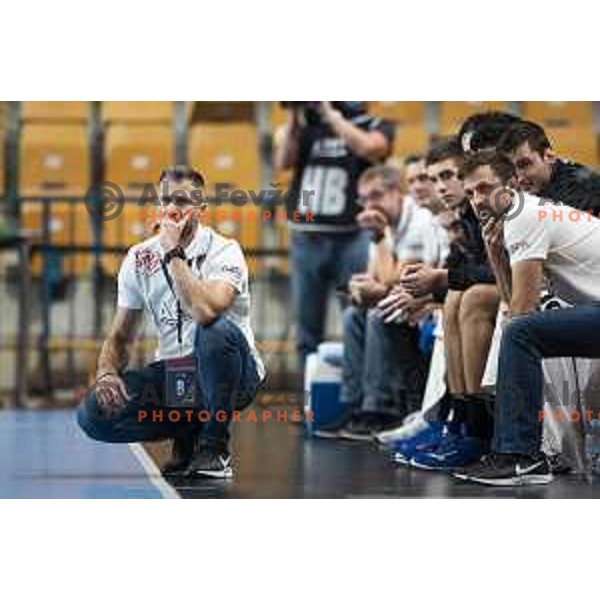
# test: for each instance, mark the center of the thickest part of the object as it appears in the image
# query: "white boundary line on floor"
(166, 490)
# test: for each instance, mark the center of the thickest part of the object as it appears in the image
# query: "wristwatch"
(177, 252)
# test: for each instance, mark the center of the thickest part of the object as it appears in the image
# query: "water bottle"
(592, 449)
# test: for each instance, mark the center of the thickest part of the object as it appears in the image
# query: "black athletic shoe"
(360, 429)
(508, 470)
(210, 463)
(182, 452)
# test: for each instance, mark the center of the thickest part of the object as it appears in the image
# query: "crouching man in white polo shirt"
(529, 239)
(193, 285)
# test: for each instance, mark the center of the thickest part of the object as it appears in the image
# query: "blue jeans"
(227, 379)
(320, 262)
(384, 371)
(526, 340)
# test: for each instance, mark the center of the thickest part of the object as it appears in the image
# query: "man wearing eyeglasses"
(192, 283)
(383, 369)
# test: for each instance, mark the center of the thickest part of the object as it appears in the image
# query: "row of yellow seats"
(55, 159)
(135, 112)
(79, 112)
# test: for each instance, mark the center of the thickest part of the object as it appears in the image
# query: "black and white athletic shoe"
(508, 470)
(210, 463)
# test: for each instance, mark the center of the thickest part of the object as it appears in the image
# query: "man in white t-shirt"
(383, 370)
(529, 238)
(192, 284)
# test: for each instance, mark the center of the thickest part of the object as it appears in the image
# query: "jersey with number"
(326, 177)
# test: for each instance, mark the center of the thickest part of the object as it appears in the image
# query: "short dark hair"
(483, 130)
(411, 159)
(498, 162)
(525, 132)
(178, 173)
(443, 150)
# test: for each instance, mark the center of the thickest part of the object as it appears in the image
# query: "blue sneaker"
(455, 450)
(429, 439)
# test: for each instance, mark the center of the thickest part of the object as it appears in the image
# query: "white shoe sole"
(225, 474)
(355, 437)
(400, 459)
(326, 435)
(509, 482)
(418, 465)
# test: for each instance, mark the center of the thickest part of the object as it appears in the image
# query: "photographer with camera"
(329, 145)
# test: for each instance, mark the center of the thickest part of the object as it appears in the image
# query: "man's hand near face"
(374, 221)
(365, 290)
(171, 229)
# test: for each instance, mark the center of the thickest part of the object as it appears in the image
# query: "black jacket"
(467, 261)
(574, 185)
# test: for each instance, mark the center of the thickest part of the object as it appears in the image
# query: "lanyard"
(199, 262)
(179, 309)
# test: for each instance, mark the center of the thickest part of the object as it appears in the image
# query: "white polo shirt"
(142, 285)
(417, 235)
(567, 240)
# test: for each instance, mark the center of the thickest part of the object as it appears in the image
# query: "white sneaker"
(411, 426)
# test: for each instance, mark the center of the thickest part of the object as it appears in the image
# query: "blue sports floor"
(43, 454)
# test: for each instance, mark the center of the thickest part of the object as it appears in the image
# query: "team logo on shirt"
(233, 271)
(147, 262)
(518, 247)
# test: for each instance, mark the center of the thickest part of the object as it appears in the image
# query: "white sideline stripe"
(155, 476)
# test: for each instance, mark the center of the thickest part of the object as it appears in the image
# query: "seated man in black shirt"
(541, 172)
(468, 290)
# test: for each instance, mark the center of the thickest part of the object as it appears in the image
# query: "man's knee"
(212, 339)
(352, 317)
(377, 324)
(479, 302)
(94, 422)
(516, 331)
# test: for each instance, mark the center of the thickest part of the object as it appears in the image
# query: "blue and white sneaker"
(411, 426)
(427, 439)
(456, 449)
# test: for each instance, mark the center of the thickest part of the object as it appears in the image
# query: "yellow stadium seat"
(452, 114)
(404, 113)
(55, 112)
(226, 154)
(138, 112)
(579, 144)
(69, 224)
(411, 139)
(135, 155)
(134, 224)
(222, 112)
(559, 113)
(54, 160)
